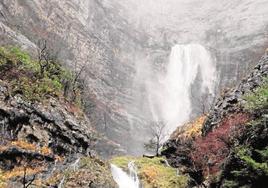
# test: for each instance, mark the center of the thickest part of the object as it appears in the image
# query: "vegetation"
(25, 76)
(250, 170)
(153, 172)
(2, 180)
(259, 98)
(209, 152)
(190, 130)
(122, 161)
(20, 171)
(158, 134)
(89, 172)
(245, 154)
(247, 165)
(27, 146)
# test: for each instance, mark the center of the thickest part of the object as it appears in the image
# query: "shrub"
(258, 99)
(248, 168)
(245, 154)
(210, 151)
(17, 68)
(193, 129)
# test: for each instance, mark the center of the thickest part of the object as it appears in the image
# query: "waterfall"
(133, 173)
(169, 94)
(125, 180)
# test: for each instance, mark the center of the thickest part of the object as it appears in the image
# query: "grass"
(154, 173)
(122, 161)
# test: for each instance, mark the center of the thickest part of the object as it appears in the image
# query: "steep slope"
(231, 150)
(119, 39)
(44, 136)
(84, 32)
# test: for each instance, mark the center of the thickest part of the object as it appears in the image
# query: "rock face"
(52, 125)
(47, 139)
(230, 101)
(113, 37)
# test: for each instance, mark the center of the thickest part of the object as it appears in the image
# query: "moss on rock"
(154, 173)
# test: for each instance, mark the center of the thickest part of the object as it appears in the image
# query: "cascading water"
(125, 180)
(170, 96)
(133, 173)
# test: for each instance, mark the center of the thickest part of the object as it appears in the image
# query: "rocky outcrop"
(46, 138)
(48, 125)
(231, 101)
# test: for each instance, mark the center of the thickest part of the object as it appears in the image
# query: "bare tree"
(26, 183)
(73, 86)
(45, 56)
(157, 130)
(43, 59)
(77, 76)
(79, 73)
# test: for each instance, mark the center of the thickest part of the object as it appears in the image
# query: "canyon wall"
(119, 40)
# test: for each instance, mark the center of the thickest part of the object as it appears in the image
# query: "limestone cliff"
(113, 37)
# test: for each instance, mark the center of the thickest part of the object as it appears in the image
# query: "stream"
(125, 180)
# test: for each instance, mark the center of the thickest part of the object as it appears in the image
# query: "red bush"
(210, 151)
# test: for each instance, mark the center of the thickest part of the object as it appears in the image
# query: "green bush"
(251, 165)
(230, 184)
(245, 154)
(259, 98)
(23, 74)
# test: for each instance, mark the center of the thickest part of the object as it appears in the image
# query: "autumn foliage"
(27, 146)
(190, 130)
(19, 171)
(210, 151)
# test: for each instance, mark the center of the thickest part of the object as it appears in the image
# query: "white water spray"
(75, 165)
(170, 96)
(125, 180)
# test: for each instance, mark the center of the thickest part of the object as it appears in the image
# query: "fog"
(193, 17)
